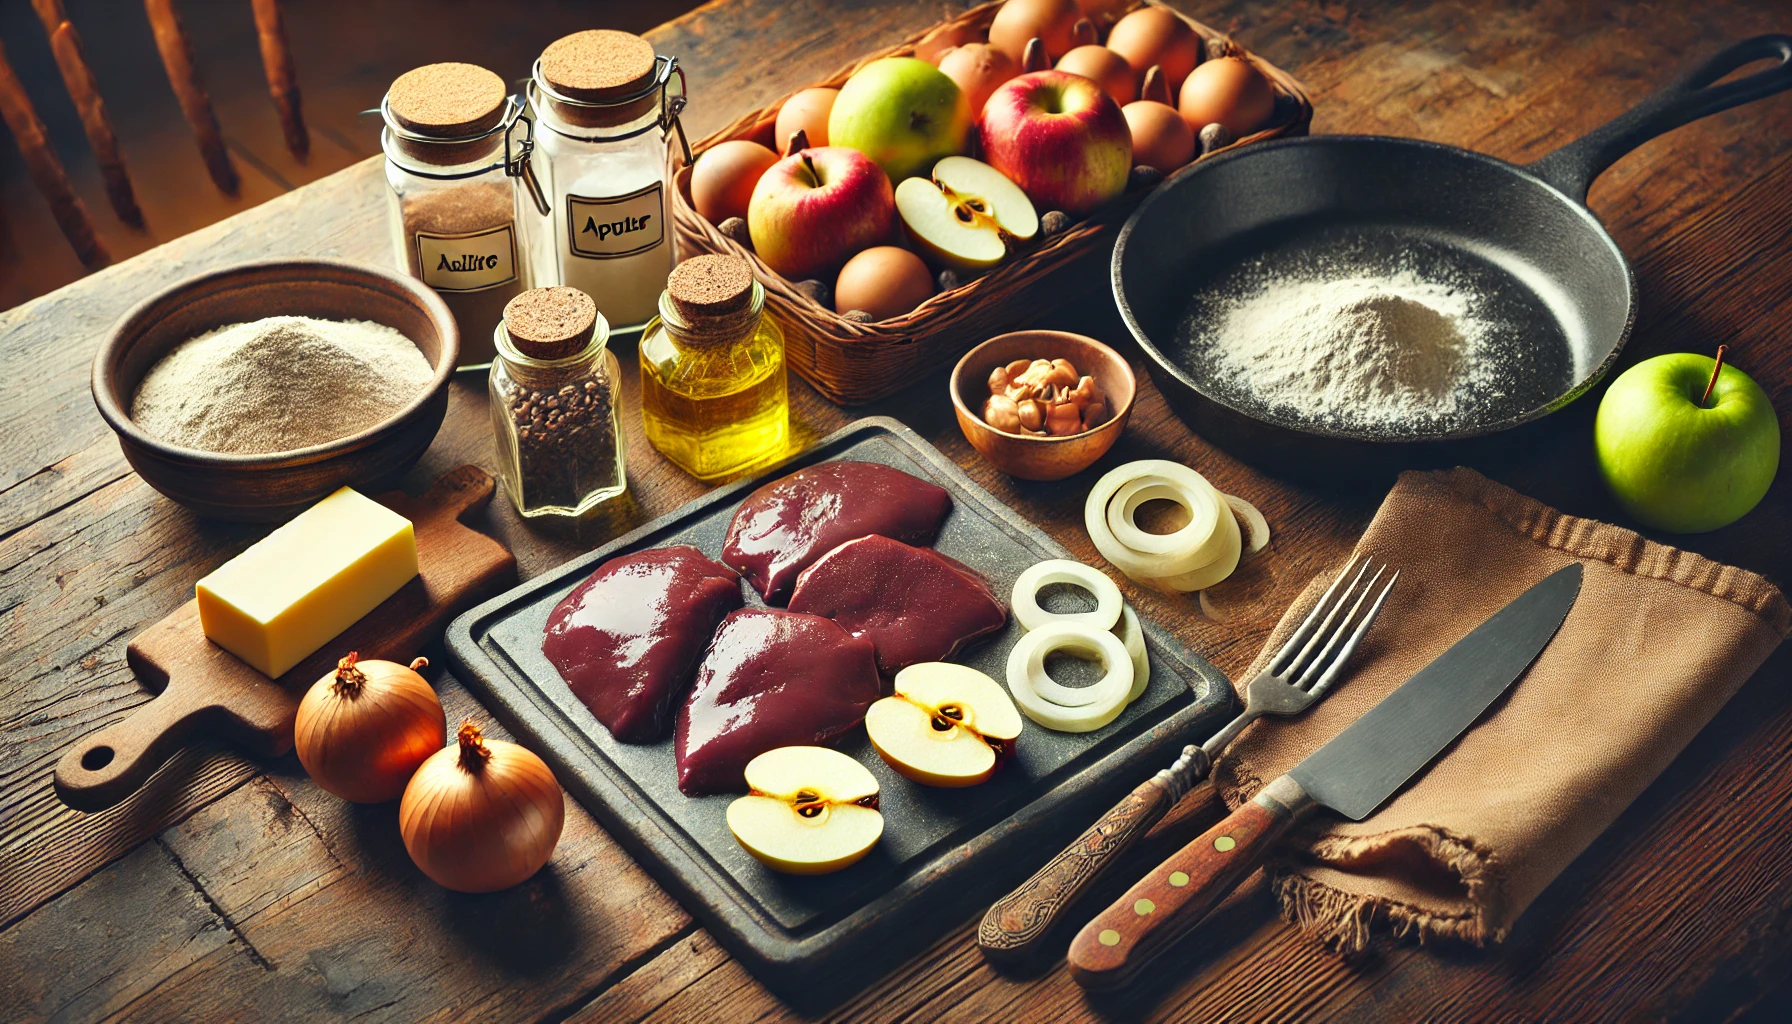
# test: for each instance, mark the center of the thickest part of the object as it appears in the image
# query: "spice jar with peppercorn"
(554, 397)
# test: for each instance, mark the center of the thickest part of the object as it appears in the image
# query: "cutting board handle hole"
(97, 758)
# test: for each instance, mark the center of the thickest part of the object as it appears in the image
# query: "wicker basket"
(853, 363)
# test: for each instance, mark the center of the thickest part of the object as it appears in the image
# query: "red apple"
(815, 208)
(1060, 138)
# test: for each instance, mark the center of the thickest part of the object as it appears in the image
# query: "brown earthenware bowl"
(1041, 458)
(275, 486)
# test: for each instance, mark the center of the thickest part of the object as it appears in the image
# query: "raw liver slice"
(913, 604)
(783, 527)
(627, 639)
(770, 679)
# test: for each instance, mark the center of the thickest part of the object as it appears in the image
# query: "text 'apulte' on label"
(609, 227)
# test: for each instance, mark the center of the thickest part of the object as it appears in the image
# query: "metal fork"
(1300, 673)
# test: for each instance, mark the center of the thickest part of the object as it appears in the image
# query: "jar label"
(469, 262)
(612, 226)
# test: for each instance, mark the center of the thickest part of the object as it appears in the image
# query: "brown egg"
(806, 111)
(940, 41)
(1155, 35)
(1105, 68)
(1160, 137)
(723, 179)
(1053, 21)
(1102, 12)
(884, 280)
(1227, 91)
(979, 69)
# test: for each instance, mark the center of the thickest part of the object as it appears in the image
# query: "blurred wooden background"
(346, 53)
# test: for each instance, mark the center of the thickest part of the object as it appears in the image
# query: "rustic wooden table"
(235, 889)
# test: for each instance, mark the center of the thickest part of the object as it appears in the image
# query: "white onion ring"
(1254, 522)
(1132, 637)
(1095, 510)
(1194, 552)
(1195, 557)
(1026, 666)
(1069, 697)
(1214, 572)
(1027, 612)
(1195, 495)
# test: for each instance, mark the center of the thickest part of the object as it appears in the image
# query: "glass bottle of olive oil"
(714, 398)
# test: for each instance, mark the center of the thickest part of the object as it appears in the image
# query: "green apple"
(903, 113)
(1678, 460)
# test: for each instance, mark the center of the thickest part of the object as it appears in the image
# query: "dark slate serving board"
(945, 853)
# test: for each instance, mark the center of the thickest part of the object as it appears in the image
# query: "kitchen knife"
(1353, 775)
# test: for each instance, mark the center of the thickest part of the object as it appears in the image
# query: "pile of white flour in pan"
(1376, 352)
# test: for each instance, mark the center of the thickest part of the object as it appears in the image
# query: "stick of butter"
(298, 587)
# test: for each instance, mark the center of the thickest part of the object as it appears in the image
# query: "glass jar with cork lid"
(607, 109)
(714, 397)
(450, 158)
(555, 396)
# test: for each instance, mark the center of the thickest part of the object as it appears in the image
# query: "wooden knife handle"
(1167, 903)
(1017, 924)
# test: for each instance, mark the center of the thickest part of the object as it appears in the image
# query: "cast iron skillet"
(1519, 239)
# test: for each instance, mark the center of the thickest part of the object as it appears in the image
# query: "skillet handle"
(1690, 97)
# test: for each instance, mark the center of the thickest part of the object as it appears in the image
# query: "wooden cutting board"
(204, 689)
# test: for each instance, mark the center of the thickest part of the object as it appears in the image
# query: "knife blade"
(1353, 774)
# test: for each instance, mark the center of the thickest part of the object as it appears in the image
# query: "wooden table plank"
(313, 910)
(88, 555)
(145, 896)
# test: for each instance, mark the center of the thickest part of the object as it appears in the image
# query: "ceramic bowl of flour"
(266, 486)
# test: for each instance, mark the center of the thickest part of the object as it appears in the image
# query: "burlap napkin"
(1657, 641)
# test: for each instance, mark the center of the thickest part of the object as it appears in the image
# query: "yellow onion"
(362, 730)
(481, 815)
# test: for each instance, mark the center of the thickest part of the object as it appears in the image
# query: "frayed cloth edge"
(1347, 922)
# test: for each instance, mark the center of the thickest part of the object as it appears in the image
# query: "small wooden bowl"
(1041, 458)
(278, 485)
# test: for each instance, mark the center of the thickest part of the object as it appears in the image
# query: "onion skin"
(481, 815)
(362, 730)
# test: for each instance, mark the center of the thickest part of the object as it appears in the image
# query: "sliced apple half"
(948, 725)
(968, 215)
(811, 810)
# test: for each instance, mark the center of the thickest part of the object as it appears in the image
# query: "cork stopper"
(708, 287)
(599, 66)
(447, 101)
(550, 323)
